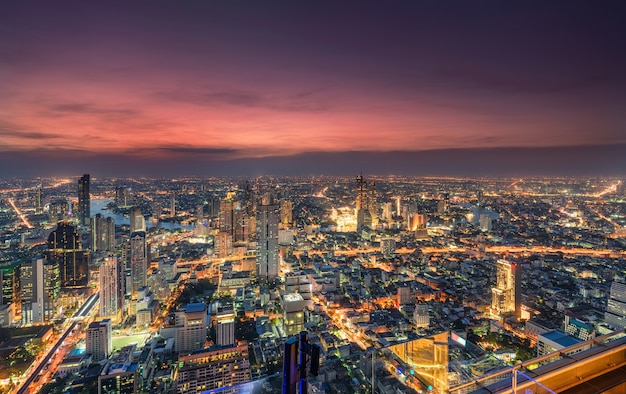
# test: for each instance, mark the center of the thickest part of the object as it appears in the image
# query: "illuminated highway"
(19, 213)
(52, 354)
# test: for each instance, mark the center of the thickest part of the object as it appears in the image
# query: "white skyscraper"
(225, 328)
(98, 340)
(39, 288)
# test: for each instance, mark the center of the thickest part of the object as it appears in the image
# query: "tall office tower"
(223, 244)
(38, 200)
(225, 328)
(388, 211)
(121, 196)
(40, 288)
(506, 295)
(102, 233)
(84, 210)
(227, 213)
(372, 201)
(98, 340)
(615, 315)
(361, 201)
(173, 205)
(214, 368)
(112, 289)
(10, 282)
(138, 262)
(286, 213)
(200, 213)
(240, 225)
(64, 247)
(190, 328)
(137, 221)
(267, 239)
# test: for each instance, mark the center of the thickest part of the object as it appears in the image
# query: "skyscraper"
(138, 262)
(39, 288)
(10, 283)
(102, 233)
(190, 328)
(267, 239)
(98, 340)
(615, 315)
(286, 213)
(506, 295)
(38, 200)
(225, 328)
(64, 247)
(84, 209)
(137, 220)
(111, 289)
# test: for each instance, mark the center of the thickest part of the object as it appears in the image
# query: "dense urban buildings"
(462, 275)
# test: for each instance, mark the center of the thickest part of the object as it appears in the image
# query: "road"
(80, 314)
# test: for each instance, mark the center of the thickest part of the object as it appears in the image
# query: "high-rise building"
(366, 203)
(213, 368)
(137, 220)
(112, 289)
(615, 315)
(506, 296)
(267, 239)
(38, 200)
(225, 328)
(286, 213)
(98, 340)
(102, 233)
(10, 283)
(84, 201)
(121, 196)
(64, 247)
(191, 330)
(388, 211)
(361, 192)
(138, 262)
(39, 289)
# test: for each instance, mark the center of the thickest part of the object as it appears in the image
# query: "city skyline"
(288, 89)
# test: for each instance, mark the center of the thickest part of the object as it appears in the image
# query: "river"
(100, 206)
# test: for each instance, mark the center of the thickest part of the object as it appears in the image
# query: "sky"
(325, 87)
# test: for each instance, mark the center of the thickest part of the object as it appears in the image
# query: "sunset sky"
(253, 87)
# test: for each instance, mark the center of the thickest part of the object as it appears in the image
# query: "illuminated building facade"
(191, 329)
(506, 295)
(40, 288)
(286, 213)
(267, 240)
(98, 340)
(10, 282)
(64, 247)
(112, 289)
(225, 328)
(84, 208)
(214, 368)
